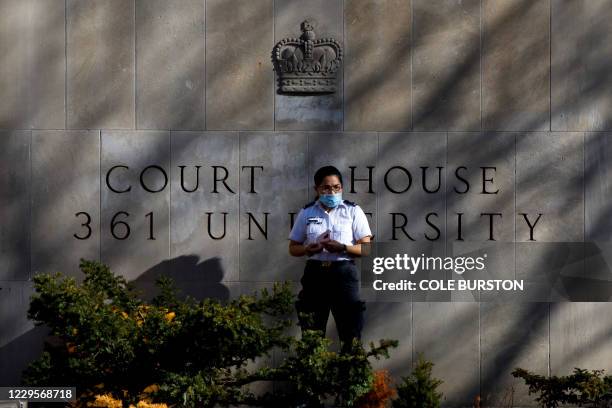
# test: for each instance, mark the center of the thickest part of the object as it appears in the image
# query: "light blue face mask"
(330, 200)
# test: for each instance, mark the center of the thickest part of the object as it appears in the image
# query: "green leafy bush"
(107, 340)
(583, 388)
(419, 389)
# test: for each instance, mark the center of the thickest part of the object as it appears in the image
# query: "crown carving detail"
(307, 65)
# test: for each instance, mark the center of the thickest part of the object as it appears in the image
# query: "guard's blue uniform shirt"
(347, 224)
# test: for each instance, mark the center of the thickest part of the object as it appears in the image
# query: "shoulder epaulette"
(310, 204)
(347, 202)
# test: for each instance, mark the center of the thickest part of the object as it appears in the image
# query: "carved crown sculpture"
(306, 65)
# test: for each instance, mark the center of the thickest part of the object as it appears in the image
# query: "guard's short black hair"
(324, 172)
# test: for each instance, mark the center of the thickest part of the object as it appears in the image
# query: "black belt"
(329, 264)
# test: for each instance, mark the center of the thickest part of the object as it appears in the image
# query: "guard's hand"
(333, 246)
(313, 248)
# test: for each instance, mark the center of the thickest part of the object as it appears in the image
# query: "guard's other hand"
(313, 248)
(333, 246)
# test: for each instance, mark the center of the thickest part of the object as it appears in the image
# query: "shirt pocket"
(342, 233)
(313, 231)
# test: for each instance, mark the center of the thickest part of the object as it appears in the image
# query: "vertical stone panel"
(391, 320)
(202, 250)
(65, 181)
(402, 200)
(14, 302)
(512, 335)
(239, 73)
(516, 65)
(136, 257)
(598, 186)
(377, 65)
(32, 68)
(280, 188)
(581, 58)
(309, 112)
(170, 64)
(549, 180)
(580, 337)
(100, 52)
(598, 211)
(481, 173)
(20, 341)
(15, 205)
(446, 65)
(399, 178)
(447, 334)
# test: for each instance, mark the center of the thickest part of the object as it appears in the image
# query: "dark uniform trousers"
(331, 286)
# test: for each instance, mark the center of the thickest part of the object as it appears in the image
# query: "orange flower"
(170, 316)
(106, 401)
(379, 394)
(151, 388)
(71, 347)
(145, 404)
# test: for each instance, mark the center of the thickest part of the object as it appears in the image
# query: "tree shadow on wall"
(193, 278)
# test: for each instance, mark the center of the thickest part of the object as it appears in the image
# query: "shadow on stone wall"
(196, 279)
(525, 328)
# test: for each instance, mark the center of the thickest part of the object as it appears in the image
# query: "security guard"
(330, 231)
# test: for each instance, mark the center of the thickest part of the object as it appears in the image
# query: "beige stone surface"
(137, 256)
(170, 64)
(279, 188)
(239, 76)
(15, 190)
(32, 64)
(100, 64)
(446, 65)
(419, 79)
(579, 337)
(486, 160)
(377, 65)
(512, 335)
(516, 65)
(20, 341)
(65, 181)
(448, 335)
(412, 152)
(598, 185)
(196, 255)
(549, 180)
(581, 58)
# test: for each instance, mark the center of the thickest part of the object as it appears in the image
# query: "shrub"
(582, 388)
(108, 341)
(419, 389)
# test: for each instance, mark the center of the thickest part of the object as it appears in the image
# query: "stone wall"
(520, 85)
